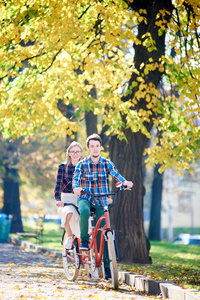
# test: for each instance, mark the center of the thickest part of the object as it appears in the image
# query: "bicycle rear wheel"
(71, 261)
(112, 259)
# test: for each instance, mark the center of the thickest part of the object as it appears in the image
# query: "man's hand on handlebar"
(77, 191)
(128, 184)
(110, 201)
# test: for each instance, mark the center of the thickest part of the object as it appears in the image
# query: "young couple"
(92, 174)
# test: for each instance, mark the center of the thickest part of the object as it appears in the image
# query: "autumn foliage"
(52, 50)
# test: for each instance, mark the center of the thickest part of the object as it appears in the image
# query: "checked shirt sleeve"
(114, 172)
(59, 181)
(62, 182)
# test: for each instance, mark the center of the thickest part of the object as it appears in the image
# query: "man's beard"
(96, 156)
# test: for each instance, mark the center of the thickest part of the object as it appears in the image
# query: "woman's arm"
(59, 182)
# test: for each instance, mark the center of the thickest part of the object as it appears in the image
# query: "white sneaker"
(93, 274)
(68, 243)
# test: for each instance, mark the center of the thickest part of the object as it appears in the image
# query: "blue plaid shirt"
(95, 177)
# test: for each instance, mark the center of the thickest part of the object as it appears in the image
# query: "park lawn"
(52, 235)
(176, 263)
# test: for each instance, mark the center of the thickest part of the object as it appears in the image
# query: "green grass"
(178, 230)
(179, 264)
(52, 234)
(176, 263)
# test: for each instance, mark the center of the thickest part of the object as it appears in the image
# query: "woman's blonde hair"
(68, 158)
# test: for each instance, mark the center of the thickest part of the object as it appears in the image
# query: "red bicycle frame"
(93, 234)
(93, 241)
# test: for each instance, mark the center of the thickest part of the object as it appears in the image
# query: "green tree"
(10, 182)
(62, 49)
(30, 162)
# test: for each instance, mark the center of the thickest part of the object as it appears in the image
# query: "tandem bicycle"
(74, 258)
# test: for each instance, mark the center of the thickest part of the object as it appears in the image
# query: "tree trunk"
(156, 199)
(90, 117)
(91, 123)
(68, 112)
(127, 213)
(11, 198)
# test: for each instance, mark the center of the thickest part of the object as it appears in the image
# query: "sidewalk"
(26, 274)
(165, 289)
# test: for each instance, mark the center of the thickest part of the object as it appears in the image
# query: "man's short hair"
(93, 137)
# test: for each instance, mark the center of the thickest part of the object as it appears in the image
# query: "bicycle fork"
(115, 243)
(107, 219)
(108, 229)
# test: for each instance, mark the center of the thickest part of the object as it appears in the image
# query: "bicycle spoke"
(71, 263)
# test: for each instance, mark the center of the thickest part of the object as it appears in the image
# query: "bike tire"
(112, 259)
(71, 261)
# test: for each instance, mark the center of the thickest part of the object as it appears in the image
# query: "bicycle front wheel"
(112, 259)
(71, 261)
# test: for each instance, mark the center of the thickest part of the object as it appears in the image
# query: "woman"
(64, 194)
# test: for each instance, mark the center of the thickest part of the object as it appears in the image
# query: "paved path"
(29, 275)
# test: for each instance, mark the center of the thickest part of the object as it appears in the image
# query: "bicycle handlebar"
(93, 196)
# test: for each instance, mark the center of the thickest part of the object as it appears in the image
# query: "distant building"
(180, 201)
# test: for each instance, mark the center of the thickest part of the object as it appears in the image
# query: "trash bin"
(5, 224)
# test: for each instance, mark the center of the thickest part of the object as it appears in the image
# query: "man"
(92, 174)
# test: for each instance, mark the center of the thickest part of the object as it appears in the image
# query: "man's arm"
(117, 176)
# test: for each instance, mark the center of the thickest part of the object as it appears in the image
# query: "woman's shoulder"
(62, 166)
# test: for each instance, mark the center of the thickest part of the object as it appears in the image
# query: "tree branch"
(54, 58)
(84, 12)
(26, 59)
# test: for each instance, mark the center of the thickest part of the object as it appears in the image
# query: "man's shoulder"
(105, 160)
(108, 163)
(83, 161)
